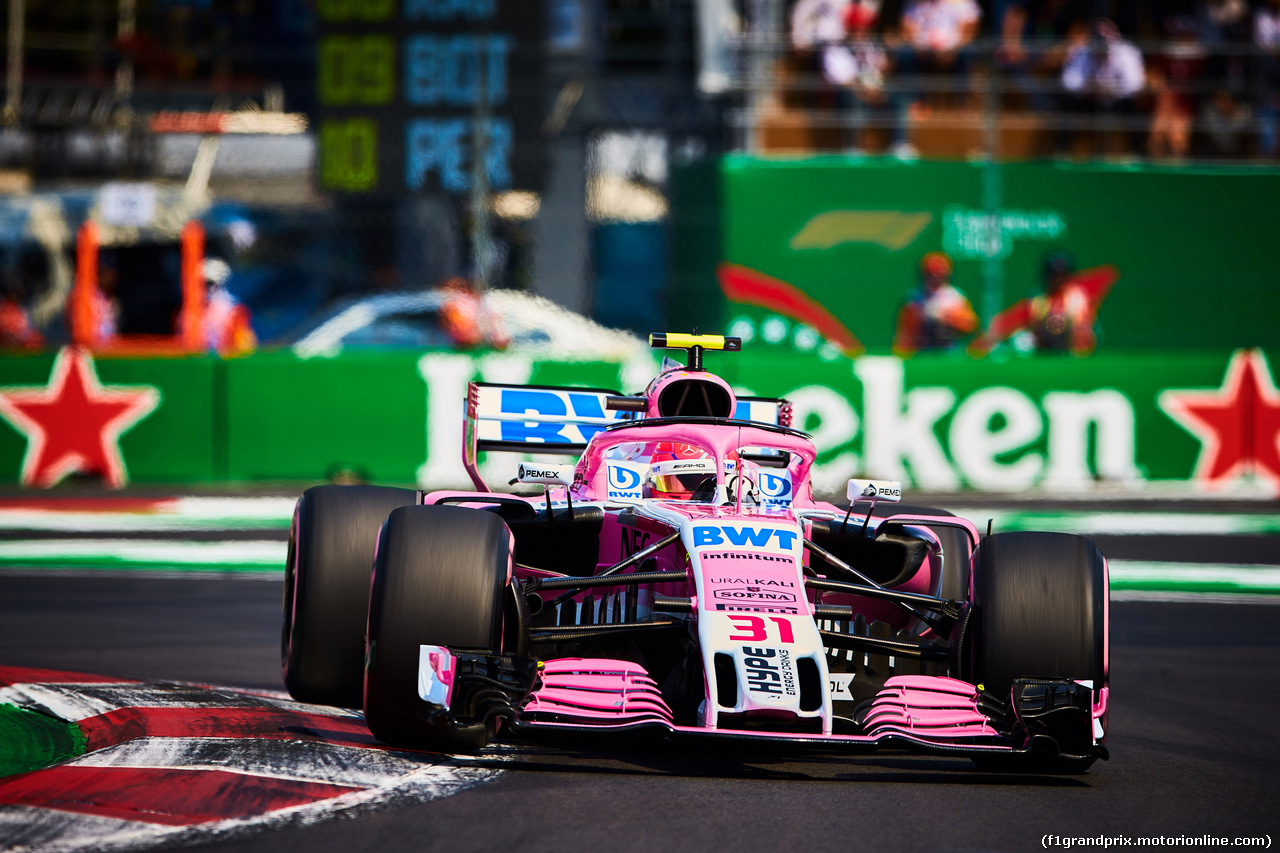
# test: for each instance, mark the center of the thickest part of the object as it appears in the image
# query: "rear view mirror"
(874, 490)
(545, 473)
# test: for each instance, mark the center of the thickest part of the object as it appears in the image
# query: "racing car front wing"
(932, 714)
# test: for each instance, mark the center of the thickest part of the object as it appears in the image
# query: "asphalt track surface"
(1195, 706)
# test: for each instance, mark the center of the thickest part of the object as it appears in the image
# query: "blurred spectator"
(16, 329)
(104, 305)
(868, 62)
(1059, 319)
(227, 326)
(936, 316)
(1172, 77)
(936, 35)
(818, 25)
(817, 34)
(1226, 124)
(1223, 27)
(1102, 74)
(1222, 21)
(833, 41)
(938, 31)
(862, 68)
(466, 319)
(1013, 55)
(1266, 35)
(1031, 46)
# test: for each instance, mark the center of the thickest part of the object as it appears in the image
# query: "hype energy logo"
(744, 536)
(626, 480)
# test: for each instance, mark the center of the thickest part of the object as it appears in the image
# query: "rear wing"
(560, 420)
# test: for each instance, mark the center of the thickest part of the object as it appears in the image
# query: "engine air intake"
(695, 398)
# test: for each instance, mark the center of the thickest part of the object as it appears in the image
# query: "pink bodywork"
(594, 690)
(577, 692)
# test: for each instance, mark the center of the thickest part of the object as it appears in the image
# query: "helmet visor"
(681, 479)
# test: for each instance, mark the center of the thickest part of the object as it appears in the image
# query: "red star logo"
(74, 424)
(1238, 425)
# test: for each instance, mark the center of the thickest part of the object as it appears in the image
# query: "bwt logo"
(776, 489)
(623, 479)
(585, 411)
(755, 537)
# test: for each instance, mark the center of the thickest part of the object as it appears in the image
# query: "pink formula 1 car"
(681, 579)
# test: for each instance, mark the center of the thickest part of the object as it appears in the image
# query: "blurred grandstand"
(310, 141)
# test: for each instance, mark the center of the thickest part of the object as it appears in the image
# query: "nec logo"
(755, 537)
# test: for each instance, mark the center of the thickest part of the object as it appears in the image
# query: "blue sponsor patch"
(554, 417)
(705, 536)
(776, 489)
(764, 411)
(626, 480)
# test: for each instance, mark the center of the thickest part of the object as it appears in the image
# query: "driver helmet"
(680, 472)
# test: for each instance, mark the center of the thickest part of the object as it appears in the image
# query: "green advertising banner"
(825, 250)
(1116, 422)
(1123, 422)
(153, 420)
(392, 417)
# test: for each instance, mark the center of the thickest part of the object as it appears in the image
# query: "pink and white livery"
(681, 579)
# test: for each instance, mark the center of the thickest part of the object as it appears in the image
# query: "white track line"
(160, 551)
(1242, 575)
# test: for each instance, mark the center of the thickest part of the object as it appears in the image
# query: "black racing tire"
(439, 578)
(1040, 611)
(326, 593)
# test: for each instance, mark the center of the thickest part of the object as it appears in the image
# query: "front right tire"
(1040, 611)
(440, 579)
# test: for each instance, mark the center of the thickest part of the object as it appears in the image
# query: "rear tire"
(1040, 611)
(439, 578)
(326, 599)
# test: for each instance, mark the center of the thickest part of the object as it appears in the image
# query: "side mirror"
(874, 490)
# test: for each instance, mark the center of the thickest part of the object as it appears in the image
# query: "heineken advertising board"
(1204, 420)
(410, 91)
(817, 255)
